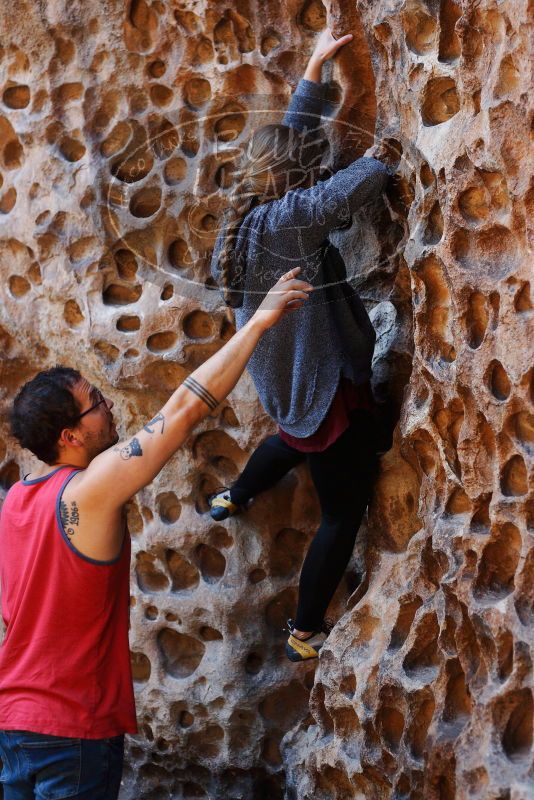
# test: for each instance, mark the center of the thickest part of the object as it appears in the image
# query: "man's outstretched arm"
(119, 472)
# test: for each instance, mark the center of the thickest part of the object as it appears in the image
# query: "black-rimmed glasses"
(101, 399)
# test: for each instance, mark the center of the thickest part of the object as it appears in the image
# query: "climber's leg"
(343, 475)
(266, 466)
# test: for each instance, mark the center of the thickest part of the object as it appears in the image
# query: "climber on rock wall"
(312, 372)
(66, 693)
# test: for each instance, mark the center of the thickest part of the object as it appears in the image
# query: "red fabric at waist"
(348, 397)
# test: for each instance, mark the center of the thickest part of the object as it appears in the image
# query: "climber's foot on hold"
(302, 649)
(222, 507)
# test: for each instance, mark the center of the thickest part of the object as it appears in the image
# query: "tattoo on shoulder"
(151, 426)
(130, 450)
(69, 517)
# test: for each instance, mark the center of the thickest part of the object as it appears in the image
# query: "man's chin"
(114, 439)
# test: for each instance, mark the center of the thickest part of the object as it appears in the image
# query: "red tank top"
(65, 660)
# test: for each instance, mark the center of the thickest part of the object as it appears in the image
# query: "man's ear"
(68, 438)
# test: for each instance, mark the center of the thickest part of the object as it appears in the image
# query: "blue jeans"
(36, 765)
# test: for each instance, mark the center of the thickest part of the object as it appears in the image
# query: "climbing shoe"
(304, 649)
(221, 506)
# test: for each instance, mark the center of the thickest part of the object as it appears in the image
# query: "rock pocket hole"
(198, 325)
(161, 95)
(434, 226)
(8, 200)
(418, 733)
(175, 171)
(253, 663)
(499, 562)
(126, 264)
(169, 508)
(179, 255)
(426, 175)
(498, 381)
(197, 91)
(391, 724)
(128, 324)
(184, 575)
(141, 667)
(117, 139)
(72, 314)
(517, 734)
(422, 657)
(159, 342)
(480, 521)
(117, 295)
(449, 42)
(71, 149)
(514, 478)
(313, 15)
(16, 97)
(149, 577)
(458, 503)
(420, 31)
(476, 319)
(522, 300)
(509, 77)
(405, 618)
(180, 654)
(457, 696)
(229, 126)
(133, 167)
(211, 562)
(145, 202)
(270, 42)
(440, 101)
(18, 286)
(9, 474)
(209, 634)
(473, 204)
(257, 575)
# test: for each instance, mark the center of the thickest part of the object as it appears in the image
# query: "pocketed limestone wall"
(119, 128)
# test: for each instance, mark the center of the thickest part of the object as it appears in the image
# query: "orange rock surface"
(120, 124)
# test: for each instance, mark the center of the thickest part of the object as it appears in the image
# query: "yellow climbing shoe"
(221, 506)
(304, 649)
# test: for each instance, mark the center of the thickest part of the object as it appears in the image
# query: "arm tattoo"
(197, 388)
(131, 449)
(149, 427)
(69, 518)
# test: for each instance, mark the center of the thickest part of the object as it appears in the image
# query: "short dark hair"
(42, 409)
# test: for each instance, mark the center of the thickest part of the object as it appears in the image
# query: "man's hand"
(325, 48)
(286, 295)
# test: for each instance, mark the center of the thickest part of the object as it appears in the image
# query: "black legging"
(343, 475)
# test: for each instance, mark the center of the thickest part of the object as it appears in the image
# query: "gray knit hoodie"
(297, 364)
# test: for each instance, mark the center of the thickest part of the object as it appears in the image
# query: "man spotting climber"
(66, 694)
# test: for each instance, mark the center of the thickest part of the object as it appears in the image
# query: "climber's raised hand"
(325, 48)
(327, 45)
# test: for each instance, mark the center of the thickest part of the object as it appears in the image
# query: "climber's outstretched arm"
(134, 463)
(307, 102)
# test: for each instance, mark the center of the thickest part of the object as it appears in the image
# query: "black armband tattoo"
(149, 427)
(197, 388)
(69, 518)
(133, 448)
